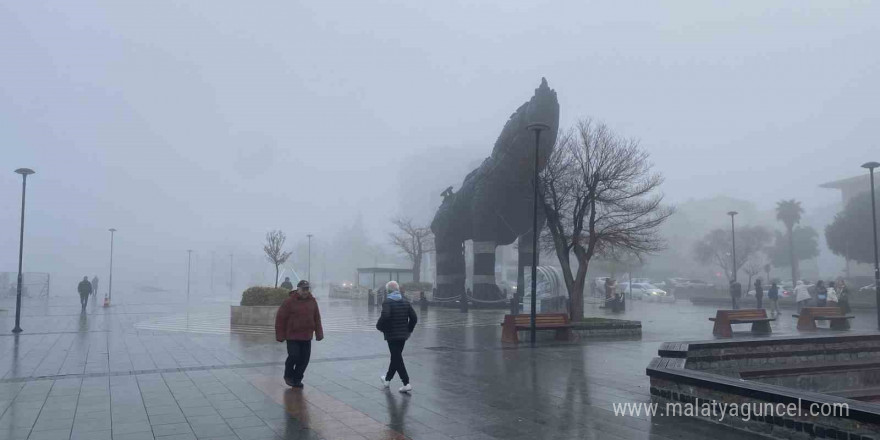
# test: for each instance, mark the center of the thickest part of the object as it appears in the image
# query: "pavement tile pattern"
(121, 373)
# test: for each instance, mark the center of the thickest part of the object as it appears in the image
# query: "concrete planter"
(608, 328)
(263, 316)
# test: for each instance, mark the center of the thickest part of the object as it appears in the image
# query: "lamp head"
(732, 213)
(25, 171)
(112, 229)
(870, 165)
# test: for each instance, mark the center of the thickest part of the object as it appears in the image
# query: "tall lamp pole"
(188, 267)
(870, 166)
(24, 173)
(537, 127)
(110, 287)
(189, 253)
(310, 258)
(733, 242)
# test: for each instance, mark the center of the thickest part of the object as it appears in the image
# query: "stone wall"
(759, 420)
(263, 316)
(798, 372)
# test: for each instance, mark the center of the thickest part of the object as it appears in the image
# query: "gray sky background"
(204, 124)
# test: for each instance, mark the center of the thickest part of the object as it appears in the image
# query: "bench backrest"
(742, 314)
(540, 319)
(822, 311)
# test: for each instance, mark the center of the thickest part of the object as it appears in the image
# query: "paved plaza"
(146, 369)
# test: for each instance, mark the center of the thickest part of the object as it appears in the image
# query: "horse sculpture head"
(515, 148)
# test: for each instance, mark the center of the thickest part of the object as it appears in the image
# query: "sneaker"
(289, 382)
(406, 388)
(385, 383)
(298, 385)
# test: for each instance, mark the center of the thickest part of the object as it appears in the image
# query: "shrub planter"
(262, 316)
(605, 327)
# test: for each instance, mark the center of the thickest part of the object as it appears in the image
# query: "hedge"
(264, 296)
(413, 287)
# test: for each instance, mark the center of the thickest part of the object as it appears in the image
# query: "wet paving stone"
(105, 376)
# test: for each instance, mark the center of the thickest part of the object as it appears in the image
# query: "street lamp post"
(870, 166)
(189, 253)
(733, 243)
(537, 127)
(110, 287)
(24, 173)
(188, 268)
(309, 276)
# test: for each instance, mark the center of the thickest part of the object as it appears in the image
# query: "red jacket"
(298, 318)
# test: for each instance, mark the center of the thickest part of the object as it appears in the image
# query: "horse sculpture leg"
(450, 268)
(485, 288)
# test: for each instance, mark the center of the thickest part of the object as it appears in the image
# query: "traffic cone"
(106, 301)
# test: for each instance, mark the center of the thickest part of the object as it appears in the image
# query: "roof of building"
(846, 183)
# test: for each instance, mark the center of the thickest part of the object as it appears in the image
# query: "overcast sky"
(204, 124)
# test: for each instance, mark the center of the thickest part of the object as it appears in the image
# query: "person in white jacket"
(802, 295)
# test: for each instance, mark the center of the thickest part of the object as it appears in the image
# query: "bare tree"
(274, 249)
(599, 196)
(753, 267)
(715, 248)
(414, 241)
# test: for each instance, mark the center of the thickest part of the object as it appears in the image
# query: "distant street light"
(310, 257)
(110, 287)
(231, 272)
(870, 166)
(24, 173)
(733, 242)
(188, 269)
(537, 127)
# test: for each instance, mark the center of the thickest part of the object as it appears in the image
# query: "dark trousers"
(760, 300)
(396, 366)
(298, 354)
(735, 300)
(83, 300)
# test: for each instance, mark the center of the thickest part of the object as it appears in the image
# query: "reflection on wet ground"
(136, 371)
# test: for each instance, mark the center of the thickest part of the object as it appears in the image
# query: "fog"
(202, 125)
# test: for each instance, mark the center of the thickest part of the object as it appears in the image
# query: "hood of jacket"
(395, 296)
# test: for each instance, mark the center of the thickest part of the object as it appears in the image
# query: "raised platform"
(836, 374)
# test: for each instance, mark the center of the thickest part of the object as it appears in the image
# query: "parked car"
(658, 283)
(646, 292)
(689, 283)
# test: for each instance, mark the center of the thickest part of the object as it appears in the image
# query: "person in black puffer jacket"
(397, 322)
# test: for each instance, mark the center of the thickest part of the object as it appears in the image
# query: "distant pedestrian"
(773, 296)
(843, 296)
(833, 299)
(297, 320)
(821, 294)
(759, 293)
(397, 322)
(286, 284)
(95, 286)
(85, 289)
(802, 295)
(735, 293)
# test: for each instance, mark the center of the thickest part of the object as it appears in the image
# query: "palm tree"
(789, 213)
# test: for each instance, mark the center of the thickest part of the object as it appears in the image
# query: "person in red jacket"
(297, 320)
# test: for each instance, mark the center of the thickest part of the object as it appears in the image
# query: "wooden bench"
(809, 315)
(557, 322)
(724, 318)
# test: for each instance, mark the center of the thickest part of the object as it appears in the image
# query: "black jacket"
(736, 290)
(398, 319)
(84, 288)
